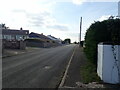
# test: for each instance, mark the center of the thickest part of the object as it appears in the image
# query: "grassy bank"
(89, 74)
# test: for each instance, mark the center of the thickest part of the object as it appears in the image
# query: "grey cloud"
(35, 19)
(36, 23)
(73, 34)
(19, 11)
(38, 19)
(59, 27)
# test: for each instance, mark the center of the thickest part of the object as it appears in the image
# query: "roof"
(14, 32)
(36, 35)
(52, 37)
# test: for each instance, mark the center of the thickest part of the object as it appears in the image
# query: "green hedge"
(105, 31)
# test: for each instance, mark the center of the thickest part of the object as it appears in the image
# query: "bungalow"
(40, 40)
(57, 40)
(39, 36)
(14, 39)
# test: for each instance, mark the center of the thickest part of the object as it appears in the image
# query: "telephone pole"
(119, 9)
(80, 28)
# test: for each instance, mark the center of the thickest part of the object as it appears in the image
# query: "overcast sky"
(59, 18)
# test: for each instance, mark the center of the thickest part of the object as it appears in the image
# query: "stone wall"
(34, 44)
(14, 44)
(41, 44)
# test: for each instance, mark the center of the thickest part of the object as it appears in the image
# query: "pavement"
(74, 75)
(40, 68)
(13, 52)
(73, 79)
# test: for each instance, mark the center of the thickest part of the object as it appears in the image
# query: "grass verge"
(88, 73)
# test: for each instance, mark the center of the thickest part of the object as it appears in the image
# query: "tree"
(67, 40)
(4, 26)
(75, 42)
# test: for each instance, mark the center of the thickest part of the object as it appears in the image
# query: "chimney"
(21, 28)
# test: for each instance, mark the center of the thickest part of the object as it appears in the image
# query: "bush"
(105, 31)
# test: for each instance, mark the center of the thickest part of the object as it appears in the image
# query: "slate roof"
(36, 35)
(14, 32)
(52, 37)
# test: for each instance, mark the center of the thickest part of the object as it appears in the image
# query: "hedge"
(105, 31)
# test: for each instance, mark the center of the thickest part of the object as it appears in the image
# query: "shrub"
(105, 31)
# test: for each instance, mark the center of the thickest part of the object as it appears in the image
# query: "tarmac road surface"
(42, 68)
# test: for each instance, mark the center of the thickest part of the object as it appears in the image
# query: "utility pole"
(119, 9)
(80, 28)
(119, 45)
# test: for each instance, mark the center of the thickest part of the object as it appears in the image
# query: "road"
(42, 68)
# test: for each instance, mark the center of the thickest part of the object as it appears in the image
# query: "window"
(19, 37)
(25, 37)
(48, 41)
(12, 37)
(0, 36)
(26, 32)
(8, 37)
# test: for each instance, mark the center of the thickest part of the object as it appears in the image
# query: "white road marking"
(66, 71)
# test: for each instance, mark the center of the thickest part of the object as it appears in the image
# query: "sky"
(59, 18)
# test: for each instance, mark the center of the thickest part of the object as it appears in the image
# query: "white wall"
(107, 69)
(0, 60)
(100, 61)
